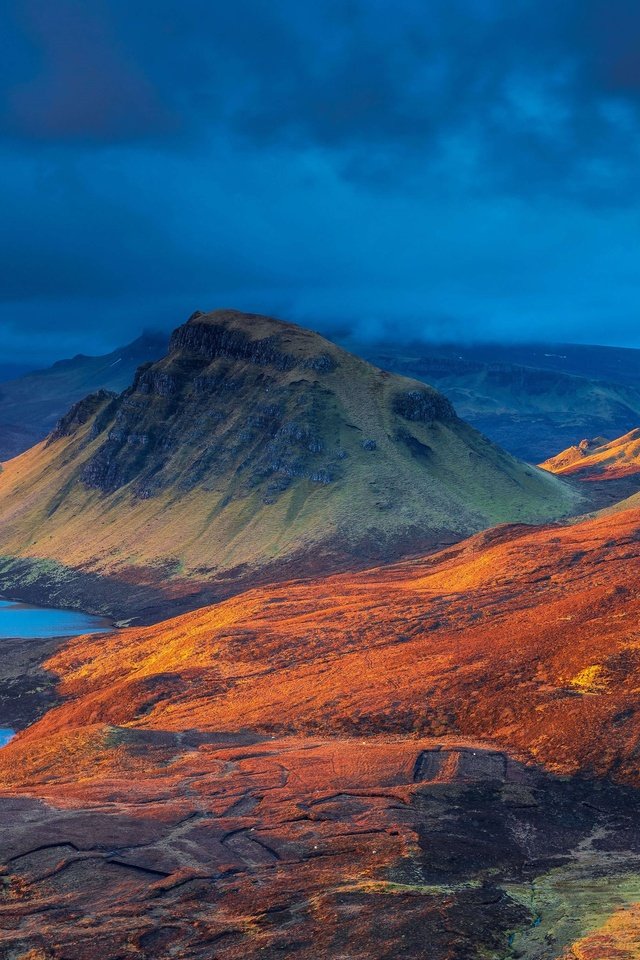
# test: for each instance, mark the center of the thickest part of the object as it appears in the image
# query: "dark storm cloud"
(544, 91)
(451, 167)
(72, 79)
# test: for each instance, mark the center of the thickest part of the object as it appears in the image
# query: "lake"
(26, 622)
(22, 620)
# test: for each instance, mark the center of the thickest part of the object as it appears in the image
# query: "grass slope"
(521, 637)
(425, 753)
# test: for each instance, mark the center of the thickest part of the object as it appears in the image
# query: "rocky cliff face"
(80, 413)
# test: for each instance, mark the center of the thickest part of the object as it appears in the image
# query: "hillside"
(522, 637)
(253, 450)
(442, 751)
(599, 459)
(31, 404)
(529, 399)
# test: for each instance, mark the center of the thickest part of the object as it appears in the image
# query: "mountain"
(530, 399)
(599, 459)
(441, 752)
(609, 469)
(589, 361)
(30, 405)
(253, 450)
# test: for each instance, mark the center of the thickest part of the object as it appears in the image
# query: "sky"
(432, 169)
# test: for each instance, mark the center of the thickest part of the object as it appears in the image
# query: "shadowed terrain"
(31, 404)
(531, 399)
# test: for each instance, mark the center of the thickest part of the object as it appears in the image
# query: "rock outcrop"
(599, 459)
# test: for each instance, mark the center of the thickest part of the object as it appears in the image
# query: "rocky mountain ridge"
(599, 458)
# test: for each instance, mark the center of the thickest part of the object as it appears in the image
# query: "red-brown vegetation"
(354, 766)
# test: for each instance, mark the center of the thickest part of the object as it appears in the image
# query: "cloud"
(80, 82)
(539, 93)
(461, 167)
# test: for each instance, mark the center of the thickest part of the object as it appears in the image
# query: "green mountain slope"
(253, 449)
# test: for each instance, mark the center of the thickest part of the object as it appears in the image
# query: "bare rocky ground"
(242, 846)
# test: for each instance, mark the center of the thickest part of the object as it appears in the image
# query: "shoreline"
(27, 689)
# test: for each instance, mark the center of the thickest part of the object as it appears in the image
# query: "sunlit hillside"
(599, 459)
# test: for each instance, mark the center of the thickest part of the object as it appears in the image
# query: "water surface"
(6, 734)
(28, 622)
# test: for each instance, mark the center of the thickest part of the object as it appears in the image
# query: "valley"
(28, 637)
(531, 399)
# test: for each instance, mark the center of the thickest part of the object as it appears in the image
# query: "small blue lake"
(31, 623)
(26, 622)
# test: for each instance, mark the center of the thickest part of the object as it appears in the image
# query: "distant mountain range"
(31, 404)
(253, 450)
(531, 399)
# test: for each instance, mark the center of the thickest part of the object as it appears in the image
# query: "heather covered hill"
(254, 449)
(522, 637)
(31, 404)
(599, 459)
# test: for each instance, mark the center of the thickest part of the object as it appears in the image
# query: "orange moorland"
(599, 459)
(524, 636)
(441, 752)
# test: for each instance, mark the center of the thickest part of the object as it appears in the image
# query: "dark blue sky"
(444, 168)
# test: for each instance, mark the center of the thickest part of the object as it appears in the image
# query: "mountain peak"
(256, 338)
(256, 447)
